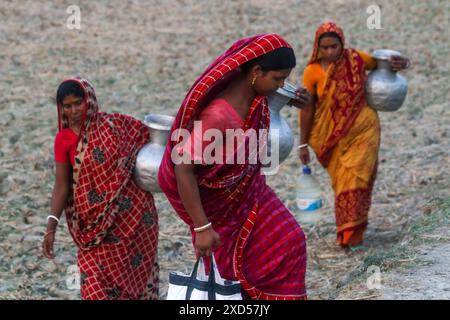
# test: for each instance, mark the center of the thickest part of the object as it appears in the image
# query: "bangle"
(203, 228)
(303, 145)
(52, 217)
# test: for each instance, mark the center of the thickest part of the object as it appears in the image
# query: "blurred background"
(143, 56)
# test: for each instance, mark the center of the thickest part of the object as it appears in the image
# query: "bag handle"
(193, 276)
(211, 278)
(214, 267)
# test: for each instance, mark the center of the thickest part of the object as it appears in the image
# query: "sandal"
(358, 247)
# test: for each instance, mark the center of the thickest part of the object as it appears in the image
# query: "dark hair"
(281, 58)
(331, 35)
(66, 88)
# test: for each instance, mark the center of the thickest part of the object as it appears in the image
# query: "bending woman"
(341, 128)
(229, 207)
(112, 221)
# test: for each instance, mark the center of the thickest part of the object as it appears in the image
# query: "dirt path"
(428, 280)
(143, 56)
(415, 268)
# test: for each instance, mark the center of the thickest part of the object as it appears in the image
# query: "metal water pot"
(149, 157)
(385, 88)
(285, 137)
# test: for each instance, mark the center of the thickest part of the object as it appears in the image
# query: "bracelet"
(303, 145)
(203, 228)
(52, 217)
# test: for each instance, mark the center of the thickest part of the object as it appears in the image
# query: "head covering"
(90, 101)
(324, 28)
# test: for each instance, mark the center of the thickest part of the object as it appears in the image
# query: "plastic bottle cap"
(306, 170)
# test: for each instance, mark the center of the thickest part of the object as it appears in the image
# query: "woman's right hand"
(304, 155)
(47, 244)
(206, 241)
(303, 98)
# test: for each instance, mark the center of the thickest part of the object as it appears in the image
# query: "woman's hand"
(303, 98)
(206, 241)
(47, 244)
(304, 155)
(399, 63)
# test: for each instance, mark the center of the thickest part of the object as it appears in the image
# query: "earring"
(254, 79)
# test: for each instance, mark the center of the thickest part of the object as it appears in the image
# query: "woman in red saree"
(229, 207)
(341, 128)
(112, 221)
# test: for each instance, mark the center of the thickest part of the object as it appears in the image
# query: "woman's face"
(269, 82)
(73, 107)
(330, 48)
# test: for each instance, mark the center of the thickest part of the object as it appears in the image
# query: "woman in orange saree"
(231, 211)
(341, 128)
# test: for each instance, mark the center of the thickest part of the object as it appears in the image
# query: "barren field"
(142, 57)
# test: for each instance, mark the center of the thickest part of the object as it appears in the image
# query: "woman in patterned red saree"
(112, 221)
(229, 207)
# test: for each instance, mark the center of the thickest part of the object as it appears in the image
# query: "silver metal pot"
(150, 156)
(285, 137)
(385, 89)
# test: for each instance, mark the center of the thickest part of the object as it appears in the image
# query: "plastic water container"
(309, 197)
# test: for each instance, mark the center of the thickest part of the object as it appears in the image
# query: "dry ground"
(142, 56)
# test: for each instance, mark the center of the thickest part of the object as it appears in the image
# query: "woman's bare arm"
(59, 200)
(207, 240)
(306, 123)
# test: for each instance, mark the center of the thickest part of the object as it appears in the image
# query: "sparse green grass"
(436, 215)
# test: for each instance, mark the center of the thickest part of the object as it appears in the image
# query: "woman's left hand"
(302, 100)
(399, 63)
(47, 244)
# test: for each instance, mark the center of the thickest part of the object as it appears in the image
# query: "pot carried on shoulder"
(149, 157)
(385, 89)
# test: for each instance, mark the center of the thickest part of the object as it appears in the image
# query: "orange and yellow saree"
(345, 134)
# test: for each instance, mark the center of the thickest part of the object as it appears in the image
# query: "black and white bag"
(199, 286)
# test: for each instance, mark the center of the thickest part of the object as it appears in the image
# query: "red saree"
(262, 244)
(112, 221)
